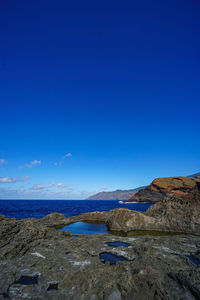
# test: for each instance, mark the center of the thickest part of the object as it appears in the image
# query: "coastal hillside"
(140, 194)
(195, 175)
(160, 188)
(115, 195)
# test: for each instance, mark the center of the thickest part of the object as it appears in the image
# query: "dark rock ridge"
(161, 188)
(40, 262)
(115, 195)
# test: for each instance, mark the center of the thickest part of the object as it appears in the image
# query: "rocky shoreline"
(156, 255)
(176, 212)
(38, 261)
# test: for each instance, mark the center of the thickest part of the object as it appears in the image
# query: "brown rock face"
(161, 188)
(173, 184)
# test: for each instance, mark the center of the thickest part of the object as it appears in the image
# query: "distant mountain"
(195, 175)
(115, 195)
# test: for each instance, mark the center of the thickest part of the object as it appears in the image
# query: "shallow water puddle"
(194, 260)
(27, 280)
(52, 286)
(88, 228)
(111, 258)
(118, 244)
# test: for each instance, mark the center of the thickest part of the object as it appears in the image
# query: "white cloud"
(26, 178)
(8, 193)
(32, 164)
(64, 187)
(3, 161)
(7, 179)
(70, 189)
(39, 191)
(36, 162)
(104, 187)
(42, 186)
(39, 187)
(68, 155)
(13, 179)
(59, 185)
(62, 159)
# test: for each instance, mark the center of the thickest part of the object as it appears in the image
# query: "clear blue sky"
(97, 95)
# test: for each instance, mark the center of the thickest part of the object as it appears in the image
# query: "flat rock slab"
(40, 262)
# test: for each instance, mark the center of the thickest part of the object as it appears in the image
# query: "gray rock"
(115, 295)
(38, 261)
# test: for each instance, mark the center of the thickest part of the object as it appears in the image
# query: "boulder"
(125, 220)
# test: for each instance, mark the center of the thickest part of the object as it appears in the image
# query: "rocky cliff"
(161, 188)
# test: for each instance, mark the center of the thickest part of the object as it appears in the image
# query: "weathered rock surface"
(175, 214)
(161, 188)
(58, 220)
(38, 261)
(147, 195)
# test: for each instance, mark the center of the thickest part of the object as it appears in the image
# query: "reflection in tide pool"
(111, 258)
(118, 244)
(82, 227)
(194, 260)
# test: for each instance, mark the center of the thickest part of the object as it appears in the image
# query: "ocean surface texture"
(39, 208)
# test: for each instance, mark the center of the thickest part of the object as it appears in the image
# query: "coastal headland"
(157, 257)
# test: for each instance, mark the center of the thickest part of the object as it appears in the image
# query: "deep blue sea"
(39, 208)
